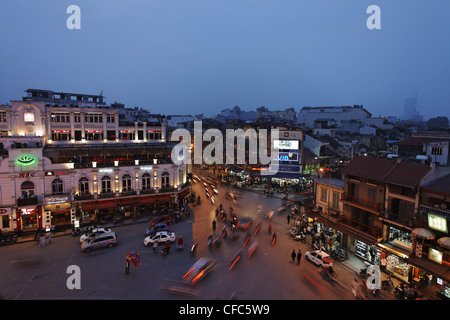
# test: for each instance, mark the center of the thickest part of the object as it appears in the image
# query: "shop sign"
(26, 160)
(435, 255)
(26, 175)
(56, 200)
(28, 211)
(286, 144)
(5, 211)
(437, 222)
(419, 248)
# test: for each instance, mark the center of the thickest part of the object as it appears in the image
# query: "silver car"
(100, 241)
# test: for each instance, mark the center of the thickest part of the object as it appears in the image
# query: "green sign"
(26, 160)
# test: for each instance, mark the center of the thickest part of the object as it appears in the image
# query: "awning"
(286, 175)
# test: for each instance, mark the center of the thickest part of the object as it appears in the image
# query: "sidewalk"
(68, 232)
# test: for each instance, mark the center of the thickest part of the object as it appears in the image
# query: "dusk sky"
(202, 56)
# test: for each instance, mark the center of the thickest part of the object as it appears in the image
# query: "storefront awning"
(286, 175)
(440, 270)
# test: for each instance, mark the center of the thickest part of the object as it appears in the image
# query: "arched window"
(106, 184)
(126, 182)
(83, 185)
(165, 180)
(57, 186)
(146, 180)
(27, 189)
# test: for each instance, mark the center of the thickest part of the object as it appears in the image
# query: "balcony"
(27, 201)
(361, 203)
(424, 210)
(369, 230)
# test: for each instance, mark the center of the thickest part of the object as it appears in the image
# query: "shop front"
(7, 221)
(29, 218)
(59, 208)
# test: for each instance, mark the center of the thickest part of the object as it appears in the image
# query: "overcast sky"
(201, 56)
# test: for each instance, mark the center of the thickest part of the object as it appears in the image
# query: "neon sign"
(26, 160)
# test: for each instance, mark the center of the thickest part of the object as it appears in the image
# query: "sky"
(202, 56)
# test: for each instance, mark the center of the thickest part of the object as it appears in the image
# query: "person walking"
(293, 255)
(127, 266)
(288, 218)
(214, 226)
(299, 256)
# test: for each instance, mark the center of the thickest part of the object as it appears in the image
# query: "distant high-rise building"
(409, 110)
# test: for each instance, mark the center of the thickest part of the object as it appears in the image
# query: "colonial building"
(67, 158)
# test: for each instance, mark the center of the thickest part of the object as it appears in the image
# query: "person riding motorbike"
(166, 248)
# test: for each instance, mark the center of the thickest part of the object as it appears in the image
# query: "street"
(32, 272)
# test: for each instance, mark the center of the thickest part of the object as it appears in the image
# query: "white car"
(91, 234)
(319, 257)
(160, 237)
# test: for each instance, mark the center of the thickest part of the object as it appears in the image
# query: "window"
(126, 182)
(83, 185)
(323, 194)
(93, 118)
(27, 189)
(180, 176)
(153, 135)
(77, 117)
(60, 117)
(165, 180)
(106, 184)
(437, 151)
(146, 180)
(61, 135)
(28, 117)
(57, 186)
(110, 118)
(335, 201)
(2, 116)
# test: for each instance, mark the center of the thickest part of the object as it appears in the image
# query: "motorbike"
(224, 232)
(246, 239)
(75, 232)
(252, 248)
(8, 238)
(400, 291)
(165, 250)
(274, 238)
(387, 284)
(214, 243)
(194, 247)
(235, 259)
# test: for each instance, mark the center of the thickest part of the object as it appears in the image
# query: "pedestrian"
(155, 247)
(214, 225)
(299, 256)
(270, 228)
(127, 266)
(293, 255)
(288, 218)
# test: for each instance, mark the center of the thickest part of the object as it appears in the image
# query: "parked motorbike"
(400, 291)
(387, 284)
(8, 238)
(75, 232)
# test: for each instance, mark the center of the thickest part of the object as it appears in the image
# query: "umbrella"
(444, 242)
(423, 233)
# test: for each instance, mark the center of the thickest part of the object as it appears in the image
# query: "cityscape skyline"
(206, 56)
